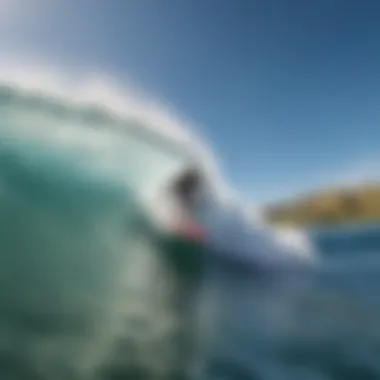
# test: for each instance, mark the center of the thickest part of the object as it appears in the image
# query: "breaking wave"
(84, 291)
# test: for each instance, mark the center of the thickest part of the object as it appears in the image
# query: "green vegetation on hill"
(330, 207)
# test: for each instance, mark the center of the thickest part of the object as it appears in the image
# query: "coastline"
(341, 208)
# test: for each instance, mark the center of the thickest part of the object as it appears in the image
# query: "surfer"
(230, 232)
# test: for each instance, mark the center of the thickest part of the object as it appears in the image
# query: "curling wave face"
(84, 290)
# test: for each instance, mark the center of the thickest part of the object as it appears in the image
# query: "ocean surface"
(86, 293)
(330, 331)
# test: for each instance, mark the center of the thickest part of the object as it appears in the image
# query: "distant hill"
(329, 207)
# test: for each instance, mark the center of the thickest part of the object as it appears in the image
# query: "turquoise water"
(89, 292)
(85, 290)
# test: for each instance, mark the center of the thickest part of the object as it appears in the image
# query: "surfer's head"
(189, 187)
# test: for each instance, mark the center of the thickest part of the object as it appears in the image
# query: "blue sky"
(287, 92)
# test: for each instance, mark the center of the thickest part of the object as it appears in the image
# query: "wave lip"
(91, 88)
